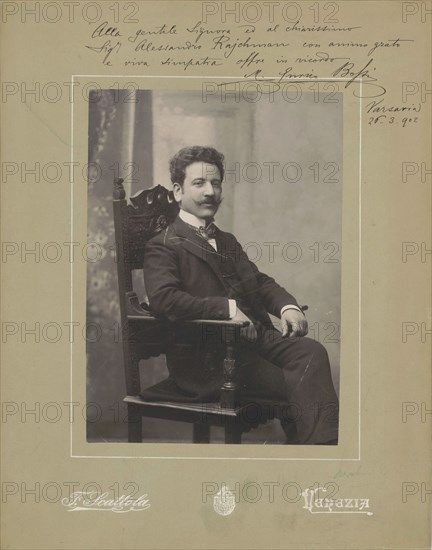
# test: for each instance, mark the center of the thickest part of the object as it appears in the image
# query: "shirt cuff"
(232, 308)
(290, 307)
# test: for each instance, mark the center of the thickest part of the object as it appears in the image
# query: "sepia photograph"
(216, 267)
(216, 223)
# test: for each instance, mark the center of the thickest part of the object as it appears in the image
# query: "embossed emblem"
(224, 501)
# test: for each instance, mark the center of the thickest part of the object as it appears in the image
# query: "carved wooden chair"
(144, 336)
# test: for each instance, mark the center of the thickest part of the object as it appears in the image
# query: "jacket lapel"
(198, 246)
(230, 247)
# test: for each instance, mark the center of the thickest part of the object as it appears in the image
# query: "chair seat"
(163, 400)
(210, 408)
(168, 391)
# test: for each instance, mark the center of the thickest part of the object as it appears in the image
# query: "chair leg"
(134, 424)
(233, 434)
(201, 433)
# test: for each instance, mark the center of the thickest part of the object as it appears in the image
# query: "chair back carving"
(149, 212)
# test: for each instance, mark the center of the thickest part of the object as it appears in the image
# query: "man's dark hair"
(189, 155)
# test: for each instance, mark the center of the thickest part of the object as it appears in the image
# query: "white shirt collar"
(191, 219)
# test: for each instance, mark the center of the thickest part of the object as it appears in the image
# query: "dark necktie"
(208, 232)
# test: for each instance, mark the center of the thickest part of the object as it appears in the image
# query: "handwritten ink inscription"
(265, 58)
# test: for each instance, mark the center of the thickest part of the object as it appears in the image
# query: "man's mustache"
(211, 202)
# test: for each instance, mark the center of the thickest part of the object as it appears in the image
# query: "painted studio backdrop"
(282, 199)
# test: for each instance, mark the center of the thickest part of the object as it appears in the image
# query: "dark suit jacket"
(183, 281)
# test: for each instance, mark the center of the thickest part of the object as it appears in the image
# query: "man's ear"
(178, 191)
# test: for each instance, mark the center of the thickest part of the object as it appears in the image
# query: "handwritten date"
(385, 119)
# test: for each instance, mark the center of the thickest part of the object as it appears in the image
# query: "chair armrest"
(217, 322)
(137, 311)
(194, 322)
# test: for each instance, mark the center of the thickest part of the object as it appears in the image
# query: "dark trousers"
(296, 371)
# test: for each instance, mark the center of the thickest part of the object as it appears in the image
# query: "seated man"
(194, 270)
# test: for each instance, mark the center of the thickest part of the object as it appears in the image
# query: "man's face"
(201, 191)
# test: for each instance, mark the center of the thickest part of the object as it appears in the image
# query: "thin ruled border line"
(360, 268)
(359, 286)
(71, 265)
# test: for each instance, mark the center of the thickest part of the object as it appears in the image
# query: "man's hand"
(294, 323)
(248, 333)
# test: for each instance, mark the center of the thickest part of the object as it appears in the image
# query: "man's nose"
(208, 189)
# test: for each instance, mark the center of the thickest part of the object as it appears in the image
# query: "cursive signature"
(363, 76)
(80, 501)
(371, 87)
